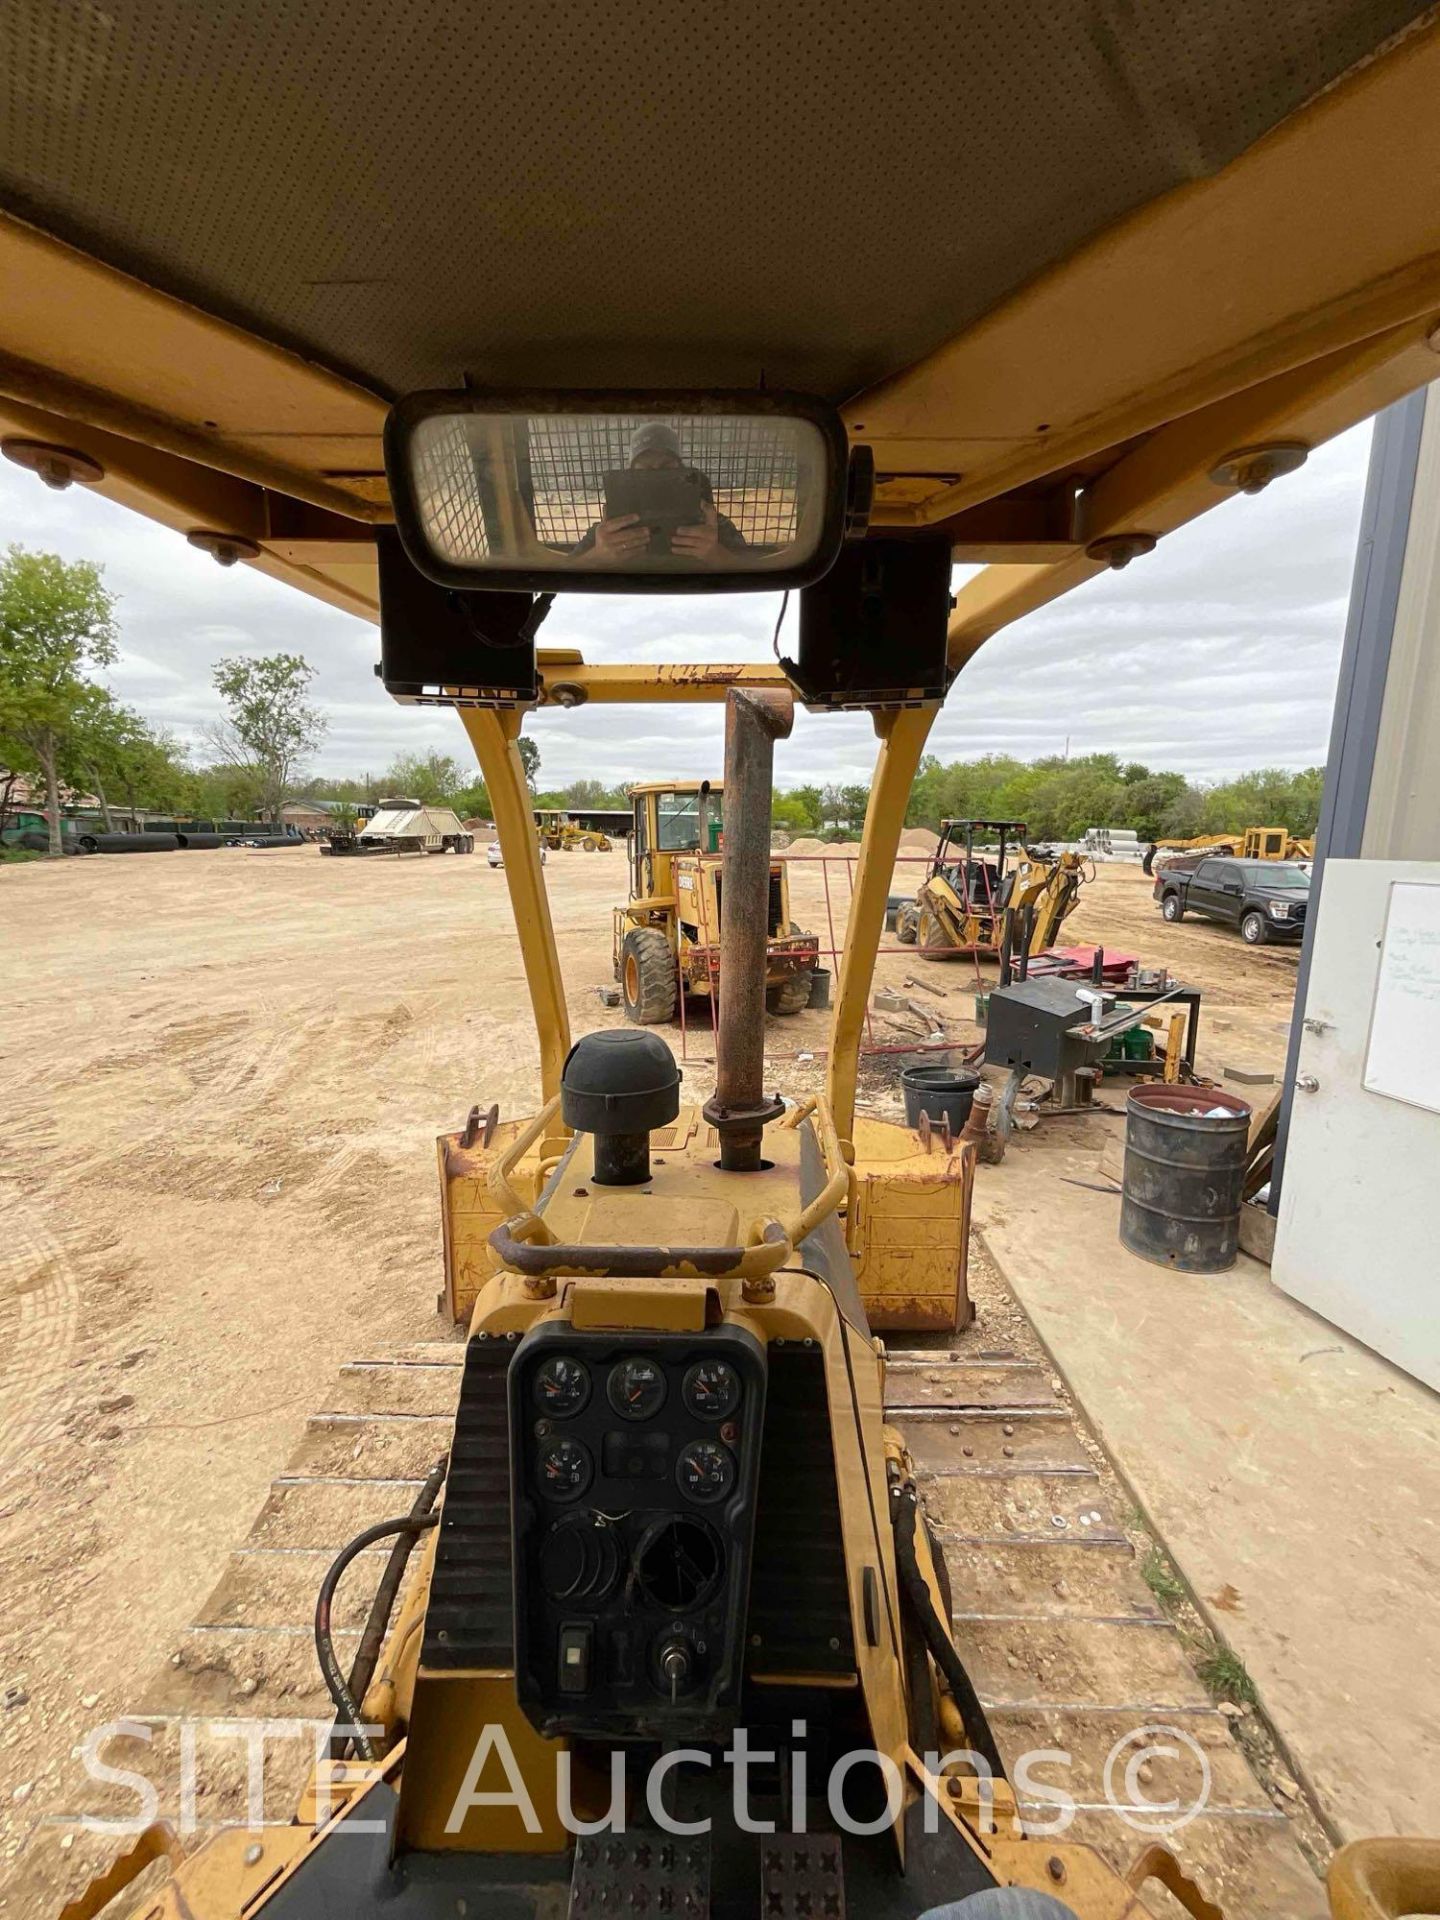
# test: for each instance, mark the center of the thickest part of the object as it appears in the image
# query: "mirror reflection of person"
(654, 448)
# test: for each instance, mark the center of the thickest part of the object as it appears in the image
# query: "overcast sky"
(1216, 653)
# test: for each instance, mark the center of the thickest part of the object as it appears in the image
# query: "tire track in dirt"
(236, 1076)
(39, 1318)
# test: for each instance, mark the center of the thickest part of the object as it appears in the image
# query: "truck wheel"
(907, 923)
(647, 977)
(588, 844)
(1172, 907)
(1254, 929)
(789, 996)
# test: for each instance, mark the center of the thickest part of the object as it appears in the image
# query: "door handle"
(1307, 1083)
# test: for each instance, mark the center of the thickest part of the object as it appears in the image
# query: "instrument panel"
(634, 1466)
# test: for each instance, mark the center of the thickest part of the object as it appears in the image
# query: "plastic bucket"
(944, 1093)
(820, 987)
(1186, 1150)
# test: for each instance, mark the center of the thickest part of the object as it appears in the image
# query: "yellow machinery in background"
(559, 833)
(1255, 843)
(690, 1512)
(667, 935)
(975, 901)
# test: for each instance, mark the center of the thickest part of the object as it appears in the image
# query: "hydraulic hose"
(916, 1592)
(346, 1706)
(362, 1667)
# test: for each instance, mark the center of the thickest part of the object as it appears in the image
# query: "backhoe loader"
(435, 316)
(975, 902)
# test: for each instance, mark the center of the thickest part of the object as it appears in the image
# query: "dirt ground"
(222, 1074)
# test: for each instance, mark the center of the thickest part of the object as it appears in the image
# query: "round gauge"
(637, 1388)
(712, 1389)
(705, 1470)
(562, 1386)
(564, 1469)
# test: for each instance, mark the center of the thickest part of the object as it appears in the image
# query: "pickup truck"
(1265, 899)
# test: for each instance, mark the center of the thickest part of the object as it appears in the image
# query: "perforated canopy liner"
(814, 193)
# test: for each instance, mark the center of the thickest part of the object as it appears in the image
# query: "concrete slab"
(1294, 1475)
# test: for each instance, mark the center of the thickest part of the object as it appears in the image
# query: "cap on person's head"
(653, 436)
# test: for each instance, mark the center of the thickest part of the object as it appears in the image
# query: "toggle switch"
(577, 1642)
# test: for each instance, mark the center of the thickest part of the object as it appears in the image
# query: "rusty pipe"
(755, 718)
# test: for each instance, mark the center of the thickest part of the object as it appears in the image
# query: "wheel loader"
(668, 935)
(673, 1586)
(973, 902)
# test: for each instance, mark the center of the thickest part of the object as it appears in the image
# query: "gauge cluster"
(634, 1465)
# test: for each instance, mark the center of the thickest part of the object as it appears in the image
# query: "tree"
(270, 725)
(223, 793)
(530, 761)
(113, 751)
(431, 778)
(56, 619)
(789, 812)
(473, 802)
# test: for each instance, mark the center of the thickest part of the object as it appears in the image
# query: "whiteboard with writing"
(1403, 1061)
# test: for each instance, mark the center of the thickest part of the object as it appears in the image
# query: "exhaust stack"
(754, 720)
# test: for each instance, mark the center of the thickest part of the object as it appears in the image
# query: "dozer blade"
(1067, 1647)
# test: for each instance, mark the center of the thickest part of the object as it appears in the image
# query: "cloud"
(1217, 652)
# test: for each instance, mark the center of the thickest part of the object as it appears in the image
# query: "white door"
(1358, 1233)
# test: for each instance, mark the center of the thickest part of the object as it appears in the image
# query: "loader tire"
(907, 923)
(931, 941)
(647, 977)
(789, 996)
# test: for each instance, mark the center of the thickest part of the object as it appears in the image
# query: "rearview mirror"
(617, 493)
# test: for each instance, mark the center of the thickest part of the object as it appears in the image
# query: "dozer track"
(249, 1653)
(1066, 1645)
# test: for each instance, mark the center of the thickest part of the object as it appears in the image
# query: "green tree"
(431, 778)
(269, 725)
(114, 752)
(224, 792)
(56, 620)
(853, 804)
(809, 799)
(529, 760)
(789, 812)
(473, 802)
